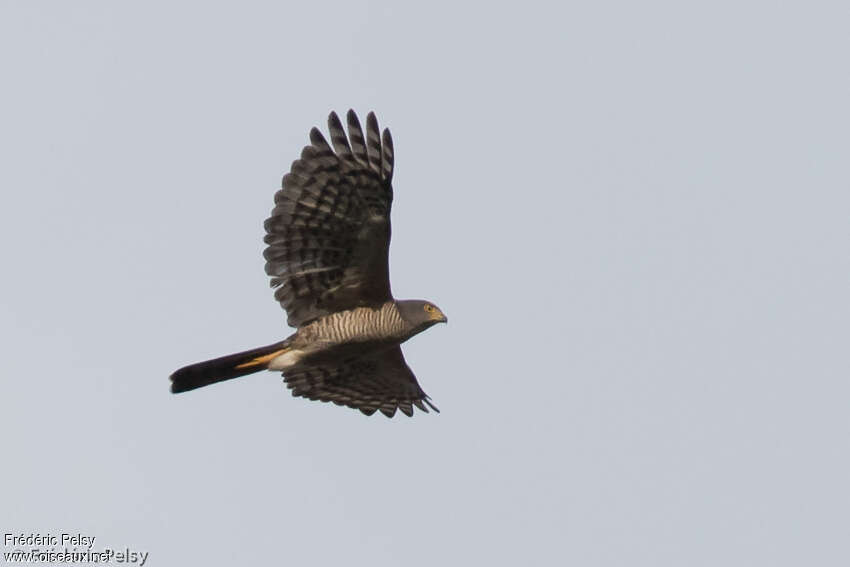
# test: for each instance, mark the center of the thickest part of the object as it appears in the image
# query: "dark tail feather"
(225, 368)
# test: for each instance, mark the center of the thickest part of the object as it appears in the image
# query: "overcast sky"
(635, 216)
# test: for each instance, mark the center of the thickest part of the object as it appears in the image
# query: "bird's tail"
(227, 367)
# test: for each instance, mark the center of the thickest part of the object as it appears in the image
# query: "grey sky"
(635, 216)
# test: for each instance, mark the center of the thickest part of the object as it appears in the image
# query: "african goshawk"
(328, 242)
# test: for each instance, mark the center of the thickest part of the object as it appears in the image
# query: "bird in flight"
(328, 242)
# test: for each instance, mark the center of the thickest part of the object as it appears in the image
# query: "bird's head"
(420, 314)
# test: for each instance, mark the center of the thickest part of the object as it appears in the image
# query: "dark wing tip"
(387, 156)
(356, 139)
(317, 139)
(432, 406)
(373, 142)
(338, 137)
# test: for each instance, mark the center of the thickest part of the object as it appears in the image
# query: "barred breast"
(362, 324)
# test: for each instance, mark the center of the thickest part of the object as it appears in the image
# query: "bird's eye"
(429, 308)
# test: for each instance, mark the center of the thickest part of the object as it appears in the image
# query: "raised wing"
(378, 381)
(329, 233)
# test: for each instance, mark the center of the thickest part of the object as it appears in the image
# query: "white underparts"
(286, 360)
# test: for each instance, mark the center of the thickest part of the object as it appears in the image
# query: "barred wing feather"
(328, 235)
(378, 381)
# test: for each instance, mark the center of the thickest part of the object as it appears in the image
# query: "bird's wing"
(329, 233)
(378, 381)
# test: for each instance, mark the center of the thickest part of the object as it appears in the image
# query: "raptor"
(328, 240)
